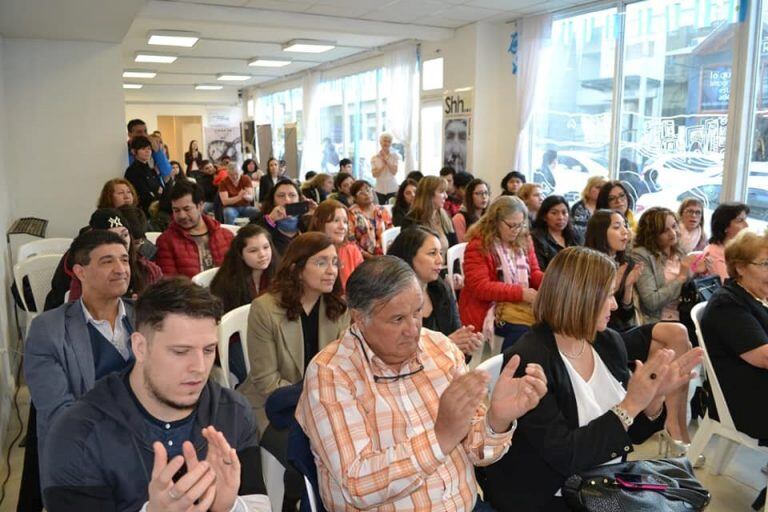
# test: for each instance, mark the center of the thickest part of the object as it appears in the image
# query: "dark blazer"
(188, 159)
(546, 247)
(146, 182)
(445, 312)
(549, 446)
(265, 186)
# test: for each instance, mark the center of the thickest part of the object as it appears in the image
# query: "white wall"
(66, 135)
(8, 342)
(148, 112)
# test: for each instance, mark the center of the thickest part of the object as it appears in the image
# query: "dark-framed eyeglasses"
(513, 227)
(385, 378)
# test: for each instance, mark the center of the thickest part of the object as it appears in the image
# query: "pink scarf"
(514, 271)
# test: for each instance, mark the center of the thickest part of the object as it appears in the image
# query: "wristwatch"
(623, 415)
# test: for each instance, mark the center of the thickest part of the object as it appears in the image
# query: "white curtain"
(534, 35)
(311, 151)
(401, 70)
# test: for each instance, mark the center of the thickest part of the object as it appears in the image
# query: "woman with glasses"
(367, 220)
(735, 329)
(501, 272)
(692, 235)
(552, 230)
(477, 197)
(728, 220)
(303, 312)
(615, 196)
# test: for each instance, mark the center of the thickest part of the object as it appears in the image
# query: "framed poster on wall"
(457, 128)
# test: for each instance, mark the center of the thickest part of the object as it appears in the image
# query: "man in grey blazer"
(69, 348)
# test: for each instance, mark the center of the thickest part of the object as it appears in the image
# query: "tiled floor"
(732, 491)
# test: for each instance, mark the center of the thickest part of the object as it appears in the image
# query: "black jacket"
(99, 457)
(547, 248)
(549, 446)
(445, 312)
(146, 182)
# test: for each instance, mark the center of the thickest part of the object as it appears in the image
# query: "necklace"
(576, 356)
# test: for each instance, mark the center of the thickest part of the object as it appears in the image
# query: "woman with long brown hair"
(332, 218)
(427, 210)
(367, 219)
(477, 197)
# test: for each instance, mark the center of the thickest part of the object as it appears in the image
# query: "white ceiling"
(234, 31)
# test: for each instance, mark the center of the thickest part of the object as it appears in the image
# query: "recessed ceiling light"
(139, 73)
(160, 58)
(208, 87)
(308, 46)
(232, 77)
(173, 38)
(132, 86)
(268, 63)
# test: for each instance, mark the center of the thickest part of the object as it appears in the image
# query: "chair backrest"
(388, 207)
(455, 253)
(388, 236)
(43, 246)
(310, 494)
(493, 367)
(205, 277)
(39, 271)
(236, 321)
(231, 227)
(273, 473)
(152, 236)
(722, 407)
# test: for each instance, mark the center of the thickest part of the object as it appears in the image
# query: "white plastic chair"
(152, 236)
(236, 321)
(455, 253)
(493, 367)
(724, 428)
(43, 246)
(311, 495)
(388, 236)
(205, 277)
(231, 227)
(273, 479)
(39, 271)
(388, 207)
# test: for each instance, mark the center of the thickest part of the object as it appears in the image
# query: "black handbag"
(694, 291)
(596, 490)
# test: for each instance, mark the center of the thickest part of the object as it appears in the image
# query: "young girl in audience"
(552, 230)
(318, 188)
(594, 409)
(532, 196)
(367, 220)
(501, 272)
(728, 220)
(283, 228)
(269, 180)
(419, 246)
(665, 266)
(615, 196)
(511, 183)
(404, 201)
(476, 201)
(428, 211)
(342, 184)
(245, 274)
(585, 207)
(692, 235)
(332, 218)
(608, 233)
(193, 158)
(117, 192)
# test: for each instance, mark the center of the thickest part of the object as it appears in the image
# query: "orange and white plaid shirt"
(374, 443)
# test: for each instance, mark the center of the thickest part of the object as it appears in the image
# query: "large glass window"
(757, 193)
(279, 109)
(678, 60)
(571, 128)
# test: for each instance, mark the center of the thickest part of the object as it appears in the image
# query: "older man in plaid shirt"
(395, 419)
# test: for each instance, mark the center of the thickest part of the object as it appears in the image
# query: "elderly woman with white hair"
(384, 165)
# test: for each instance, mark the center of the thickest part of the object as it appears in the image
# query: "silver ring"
(173, 496)
(227, 462)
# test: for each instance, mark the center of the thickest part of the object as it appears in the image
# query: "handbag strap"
(698, 499)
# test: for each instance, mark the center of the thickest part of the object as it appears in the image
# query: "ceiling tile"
(343, 11)
(440, 21)
(280, 5)
(502, 5)
(231, 3)
(466, 13)
(405, 11)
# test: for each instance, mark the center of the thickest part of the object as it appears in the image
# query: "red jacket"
(482, 285)
(177, 251)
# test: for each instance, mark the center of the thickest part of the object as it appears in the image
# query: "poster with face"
(457, 129)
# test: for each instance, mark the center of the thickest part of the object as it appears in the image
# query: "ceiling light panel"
(139, 73)
(232, 77)
(158, 58)
(269, 63)
(308, 46)
(208, 87)
(132, 86)
(173, 38)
